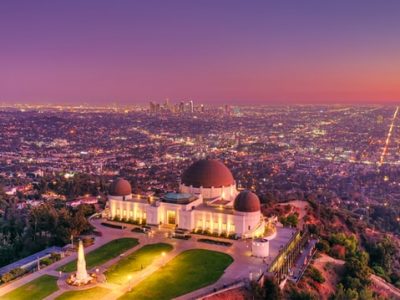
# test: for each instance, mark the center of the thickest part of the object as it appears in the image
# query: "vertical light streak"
(385, 148)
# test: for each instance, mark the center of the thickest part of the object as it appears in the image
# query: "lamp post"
(129, 282)
(163, 258)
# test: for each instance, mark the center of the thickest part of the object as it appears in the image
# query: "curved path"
(378, 281)
(242, 266)
(384, 285)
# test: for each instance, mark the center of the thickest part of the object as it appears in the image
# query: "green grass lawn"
(102, 254)
(94, 293)
(189, 271)
(36, 289)
(134, 262)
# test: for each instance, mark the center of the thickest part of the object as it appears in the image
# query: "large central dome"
(208, 173)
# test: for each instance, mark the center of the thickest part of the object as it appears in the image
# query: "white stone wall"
(214, 221)
(241, 223)
(152, 215)
(260, 248)
(127, 210)
(186, 219)
(228, 192)
(246, 222)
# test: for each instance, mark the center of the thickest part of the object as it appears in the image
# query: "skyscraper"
(191, 108)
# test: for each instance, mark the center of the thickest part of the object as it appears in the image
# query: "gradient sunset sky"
(102, 52)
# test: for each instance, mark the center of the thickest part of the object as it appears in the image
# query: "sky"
(211, 51)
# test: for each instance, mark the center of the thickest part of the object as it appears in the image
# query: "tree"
(293, 220)
(365, 294)
(349, 242)
(340, 293)
(316, 275)
(301, 295)
(256, 291)
(351, 294)
(382, 256)
(271, 289)
(338, 251)
(357, 272)
(323, 246)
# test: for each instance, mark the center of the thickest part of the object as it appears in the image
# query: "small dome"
(208, 173)
(246, 201)
(120, 187)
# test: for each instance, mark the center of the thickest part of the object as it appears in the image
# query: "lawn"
(136, 261)
(94, 293)
(189, 271)
(102, 254)
(36, 289)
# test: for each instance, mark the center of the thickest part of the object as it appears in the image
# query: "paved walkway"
(243, 264)
(384, 285)
(108, 235)
(302, 261)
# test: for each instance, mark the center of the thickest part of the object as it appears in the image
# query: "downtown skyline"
(99, 52)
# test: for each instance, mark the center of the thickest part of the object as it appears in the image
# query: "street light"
(129, 282)
(163, 258)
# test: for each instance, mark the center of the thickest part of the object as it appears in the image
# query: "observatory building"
(207, 200)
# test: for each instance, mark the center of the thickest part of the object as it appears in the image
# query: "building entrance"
(171, 217)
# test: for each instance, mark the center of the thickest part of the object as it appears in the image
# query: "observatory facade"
(207, 200)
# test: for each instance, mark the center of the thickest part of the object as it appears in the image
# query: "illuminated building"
(207, 201)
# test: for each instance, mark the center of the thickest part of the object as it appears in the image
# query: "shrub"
(87, 241)
(215, 242)
(323, 246)
(115, 226)
(55, 256)
(338, 251)
(301, 295)
(182, 237)
(46, 261)
(290, 220)
(17, 272)
(378, 270)
(316, 275)
(6, 277)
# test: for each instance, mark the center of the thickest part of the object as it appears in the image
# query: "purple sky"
(211, 51)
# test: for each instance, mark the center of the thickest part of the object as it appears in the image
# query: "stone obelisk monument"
(82, 275)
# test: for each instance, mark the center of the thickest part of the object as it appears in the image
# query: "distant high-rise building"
(152, 107)
(167, 105)
(227, 109)
(181, 107)
(191, 107)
